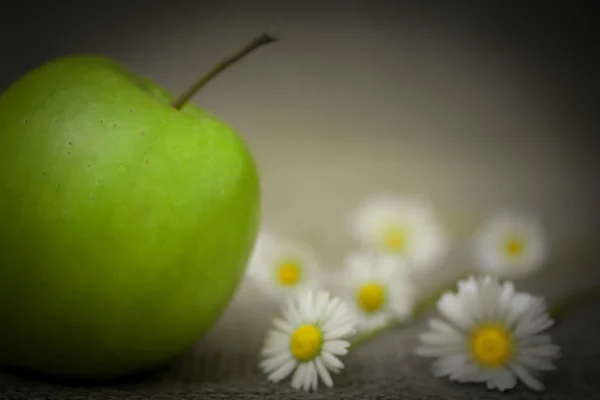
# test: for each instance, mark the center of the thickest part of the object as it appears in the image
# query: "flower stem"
(366, 336)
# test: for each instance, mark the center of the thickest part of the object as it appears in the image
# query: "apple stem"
(257, 42)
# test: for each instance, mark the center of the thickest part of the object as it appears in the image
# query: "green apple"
(126, 219)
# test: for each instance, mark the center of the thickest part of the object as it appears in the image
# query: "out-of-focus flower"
(377, 287)
(491, 334)
(280, 267)
(404, 226)
(309, 340)
(510, 246)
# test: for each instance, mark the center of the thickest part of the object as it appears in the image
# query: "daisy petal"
(283, 325)
(450, 307)
(504, 380)
(527, 378)
(315, 377)
(469, 289)
(450, 365)
(275, 362)
(440, 326)
(339, 332)
(536, 340)
(275, 337)
(321, 302)
(535, 362)
(323, 373)
(331, 361)
(525, 329)
(337, 347)
(506, 297)
(299, 376)
(291, 313)
(332, 307)
(547, 350)
(271, 351)
(308, 376)
(306, 307)
(283, 371)
(519, 305)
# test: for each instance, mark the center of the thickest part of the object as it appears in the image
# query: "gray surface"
(224, 364)
(380, 369)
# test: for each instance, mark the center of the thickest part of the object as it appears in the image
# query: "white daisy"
(492, 334)
(308, 340)
(403, 226)
(510, 246)
(378, 289)
(280, 266)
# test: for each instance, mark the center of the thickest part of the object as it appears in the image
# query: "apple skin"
(125, 224)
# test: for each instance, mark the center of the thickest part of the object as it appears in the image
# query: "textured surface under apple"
(224, 365)
(381, 369)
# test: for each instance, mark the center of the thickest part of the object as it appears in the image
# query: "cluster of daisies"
(487, 332)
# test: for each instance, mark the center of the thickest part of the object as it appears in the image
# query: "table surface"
(382, 368)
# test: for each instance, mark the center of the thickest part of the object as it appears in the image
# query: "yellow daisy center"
(395, 239)
(491, 345)
(371, 297)
(288, 273)
(514, 246)
(305, 343)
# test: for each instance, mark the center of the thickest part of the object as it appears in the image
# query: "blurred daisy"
(406, 227)
(510, 246)
(308, 341)
(378, 289)
(280, 266)
(491, 334)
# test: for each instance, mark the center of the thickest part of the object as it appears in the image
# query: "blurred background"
(475, 105)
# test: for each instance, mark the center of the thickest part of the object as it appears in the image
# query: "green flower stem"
(365, 337)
